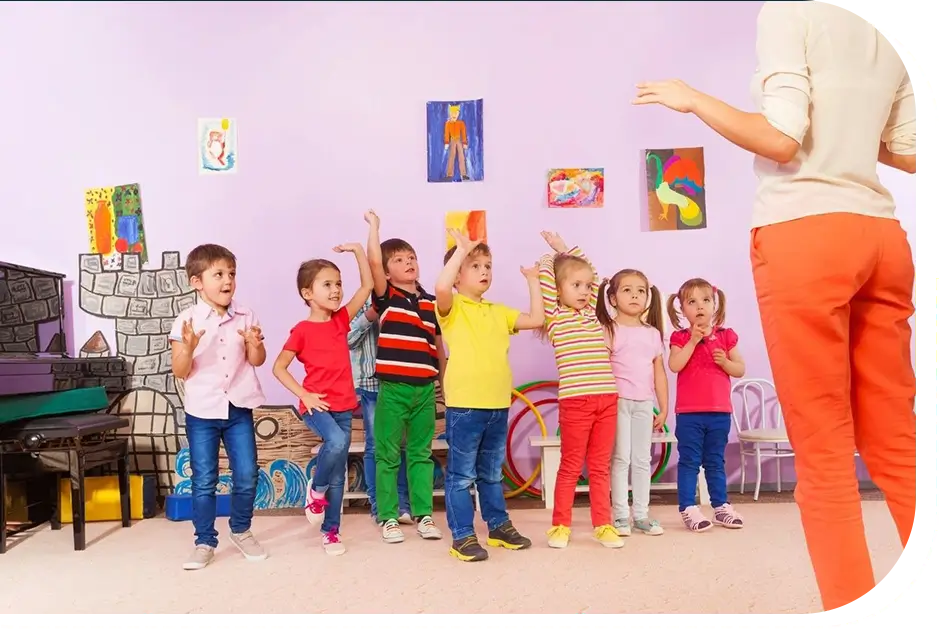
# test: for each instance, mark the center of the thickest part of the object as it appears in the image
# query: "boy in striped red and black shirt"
(410, 358)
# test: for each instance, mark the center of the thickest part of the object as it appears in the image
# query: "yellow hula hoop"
(544, 433)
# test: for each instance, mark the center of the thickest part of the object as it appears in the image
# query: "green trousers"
(404, 412)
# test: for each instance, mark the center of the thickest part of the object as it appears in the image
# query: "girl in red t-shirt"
(705, 356)
(327, 395)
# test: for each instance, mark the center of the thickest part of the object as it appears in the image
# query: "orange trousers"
(836, 293)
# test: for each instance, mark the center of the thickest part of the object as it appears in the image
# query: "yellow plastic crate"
(102, 499)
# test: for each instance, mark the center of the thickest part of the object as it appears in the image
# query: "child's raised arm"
(380, 283)
(548, 285)
(595, 283)
(365, 274)
(535, 317)
(443, 289)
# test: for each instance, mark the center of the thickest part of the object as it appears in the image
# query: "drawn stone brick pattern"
(26, 300)
(143, 304)
(110, 373)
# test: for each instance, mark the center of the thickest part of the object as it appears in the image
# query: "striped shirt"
(407, 333)
(580, 349)
(363, 343)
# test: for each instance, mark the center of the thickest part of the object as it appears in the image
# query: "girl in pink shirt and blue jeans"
(704, 355)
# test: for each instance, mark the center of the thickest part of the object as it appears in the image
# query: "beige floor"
(761, 569)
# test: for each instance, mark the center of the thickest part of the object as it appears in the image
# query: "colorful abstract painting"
(675, 189)
(455, 141)
(575, 187)
(218, 146)
(115, 222)
(472, 223)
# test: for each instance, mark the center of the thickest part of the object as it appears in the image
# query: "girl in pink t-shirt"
(635, 338)
(704, 355)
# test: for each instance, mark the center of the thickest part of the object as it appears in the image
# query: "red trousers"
(835, 295)
(588, 432)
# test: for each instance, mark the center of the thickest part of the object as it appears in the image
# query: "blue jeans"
(330, 475)
(702, 439)
(205, 435)
(477, 450)
(368, 400)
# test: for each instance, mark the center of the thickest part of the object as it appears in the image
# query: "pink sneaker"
(316, 505)
(694, 520)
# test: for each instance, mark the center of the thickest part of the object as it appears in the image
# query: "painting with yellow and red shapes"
(115, 223)
(575, 187)
(675, 189)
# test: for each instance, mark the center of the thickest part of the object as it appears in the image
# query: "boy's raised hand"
(191, 338)
(252, 336)
(372, 218)
(462, 240)
(554, 241)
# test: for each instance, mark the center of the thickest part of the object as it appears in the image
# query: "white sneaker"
(623, 529)
(315, 508)
(405, 518)
(427, 529)
(391, 532)
(249, 546)
(332, 544)
(200, 557)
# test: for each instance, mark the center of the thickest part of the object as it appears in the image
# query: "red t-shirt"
(323, 350)
(703, 387)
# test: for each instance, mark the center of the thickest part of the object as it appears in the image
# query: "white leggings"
(633, 448)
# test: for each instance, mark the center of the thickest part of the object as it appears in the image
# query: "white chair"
(761, 434)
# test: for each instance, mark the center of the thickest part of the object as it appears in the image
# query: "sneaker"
(468, 549)
(608, 537)
(200, 557)
(727, 517)
(559, 536)
(391, 532)
(427, 529)
(694, 520)
(622, 528)
(248, 546)
(405, 518)
(507, 536)
(649, 527)
(332, 543)
(316, 504)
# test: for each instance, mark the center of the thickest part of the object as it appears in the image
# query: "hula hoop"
(512, 472)
(508, 468)
(544, 432)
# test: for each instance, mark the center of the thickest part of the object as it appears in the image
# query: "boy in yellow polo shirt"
(478, 391)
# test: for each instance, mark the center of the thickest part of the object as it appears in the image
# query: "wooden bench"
(550, 448)
(436, 446)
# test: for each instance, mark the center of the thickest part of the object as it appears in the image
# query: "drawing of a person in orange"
(454, 140)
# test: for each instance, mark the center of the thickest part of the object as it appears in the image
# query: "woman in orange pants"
(832, 266)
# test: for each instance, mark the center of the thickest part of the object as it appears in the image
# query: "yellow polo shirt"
(477, 334)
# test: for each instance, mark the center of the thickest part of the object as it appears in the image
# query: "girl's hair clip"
(714, 287)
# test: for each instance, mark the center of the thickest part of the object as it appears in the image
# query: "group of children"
(383, 350)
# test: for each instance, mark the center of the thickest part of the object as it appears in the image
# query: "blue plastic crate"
(179, 507)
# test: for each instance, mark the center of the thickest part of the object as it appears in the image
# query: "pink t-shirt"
(634, 349)
(703, 387)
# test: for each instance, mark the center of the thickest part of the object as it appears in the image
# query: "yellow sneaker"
(559, 536)
(608, 536)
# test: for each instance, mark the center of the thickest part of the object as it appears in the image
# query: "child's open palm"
(554, 241)
(252, 336)
(531, 272)
(191, 338)
(463, 241)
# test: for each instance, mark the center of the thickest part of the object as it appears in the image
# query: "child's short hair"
(308, 271)
(482, 249)
(392, 246)
(204, 256)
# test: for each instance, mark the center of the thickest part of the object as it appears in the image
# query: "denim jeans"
(205, 435)
(368, 400)
(477, 450)
(330, 475)
(702, 439)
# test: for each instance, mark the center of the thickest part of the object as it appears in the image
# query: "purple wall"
(330, 102)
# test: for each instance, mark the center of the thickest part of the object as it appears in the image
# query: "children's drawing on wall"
(471, 223)
(675, 189)
(455, 141)
(115, 223)
(575, 187)
(218, 146)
